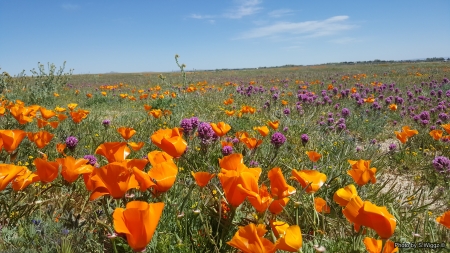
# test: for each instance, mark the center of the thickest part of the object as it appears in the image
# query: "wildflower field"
(327, 158)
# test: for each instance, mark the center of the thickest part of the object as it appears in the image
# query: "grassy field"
(327, 158)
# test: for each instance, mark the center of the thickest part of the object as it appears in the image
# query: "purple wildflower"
(278, 139)
(92, 160)
(71, 142)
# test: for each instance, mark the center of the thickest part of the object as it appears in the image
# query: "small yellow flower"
(30, 157)
(214, 192)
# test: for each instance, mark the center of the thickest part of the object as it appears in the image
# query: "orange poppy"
(376, 246)
(278, 186)
(79, 115)
(62, 117)
(23, 179)
(23, 114)
(289, 238)
(260, 200)
(11, 139)
(156, 113)
(409, 133)
(277, 205)
(313, 156)
(2, 110)
(46, 170)
(126, 132)
(242, 135)
(251, 143)
(225, 143)
(42, 138)
(136, 146)
(202, 178)
(446, 127)
(436, 134)
(156, 157)
(42, 123)
(310, 180)
(262, 130)
(250, 239)
(361, 172)
(55, 94)
(72, 106)
(163, 174)
(401, 137)
(170, 141)
(220, 128)
(147, 107)
(393, 107)
(274, 124)
(46, 114)
(229, 113)
(228, 101)
(72, 168)
(321, 205)
(113, 151)
(8, 172)
(444, 219)
(138, 221)
(60, 109)
(344, 195)
(60, 148)
(369, 100)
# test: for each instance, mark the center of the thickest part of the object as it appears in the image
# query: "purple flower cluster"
(206, 133)
(278, 139)
(71, 142)
(92, 160)
(227, 150)
(189, 125)
(441, 164)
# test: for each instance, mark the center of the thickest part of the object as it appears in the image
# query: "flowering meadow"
(328, 158)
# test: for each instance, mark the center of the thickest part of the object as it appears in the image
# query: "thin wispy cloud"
(245, 8)
(280, 13)
(345, 40)
(309, 29)
(70, 7)
(197, 16)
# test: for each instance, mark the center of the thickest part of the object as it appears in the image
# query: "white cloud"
(70, 7)
(196, 16)
(280, 13)
(245, 8)
(345, 40)
(310, 29)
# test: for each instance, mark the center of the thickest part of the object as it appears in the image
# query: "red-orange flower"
(262, 130)
(170, 141)
(163, 174)
(251, 143)
(136, 146)
(79, 115)
(126, 132)
(313, 156)
(46, 114)
(220, 128)
(436, 134)
(446, 127)
(156, 113)
(11, 139)
(444, 219)
(202, 178)
(321, 205)
(249, 239)
(361, 172)
(72, 168)
(46, 170)
(60, 148)
(310, 180)
(113, 151)
(42, 138)
(138, 221)
(274, 124)
(278, 186)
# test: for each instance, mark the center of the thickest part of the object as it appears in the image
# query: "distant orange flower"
(249, 239)
(313, 156)
(251, 143)
(444, 219)
(446, 127)
(202, 178)
(229, 113)
(11, 139)
(60, 109)
(156, 113)
(60, 148)
(136, 146)
(361, 172)
(321, 205)
(126, 132)
(376, 246)
(147, 107)
(72, 168)
(46, 170)
(62, 117)
(228, 101)
(263, 130)
(393, 107)
(8, 172)
(369, 100)
(42, 138)
(56, 94)
(170, 141)
(113, 151)
(436, 134)
(79, 115)
(220, 128)
(138, 221)
(46, 114)
(103, 93)
(274, 124)
(310, 180)
(284, 102)
(72, 106)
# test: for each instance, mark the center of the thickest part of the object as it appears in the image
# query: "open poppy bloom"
(8, 172)
(262, 130)
(163, 175)
(220, 128)
(278, 186)
(138, 221)
(42, 123)
(113, 151)
(364, 213)
(202, 178)
(344, 195)
(170, 141)
(277, 205)
(136, 146)
(79, 115)
(310, 180)
(23, 114)
(42, 138)
(241, 135)
(72, 106)
(229, 113)
(156, 157)
(24, 178)
(11, 139)
(260, 200)
(251, 143)
(361, 172)
(446, 127)
(289, 237)
(60, 148)
(46, 114)
(126, 132)
(313, 156)
(156, 113)
(46, 170)
(321, 205)
(72, 168)
(274, 124)
(249, 239)
(376, 246)
(444, 219)
(405, 134)
(393, 107)
(436, 134)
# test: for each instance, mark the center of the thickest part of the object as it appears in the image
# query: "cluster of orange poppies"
(438, 134)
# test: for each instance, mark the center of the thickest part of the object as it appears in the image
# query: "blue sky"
(140, 36)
